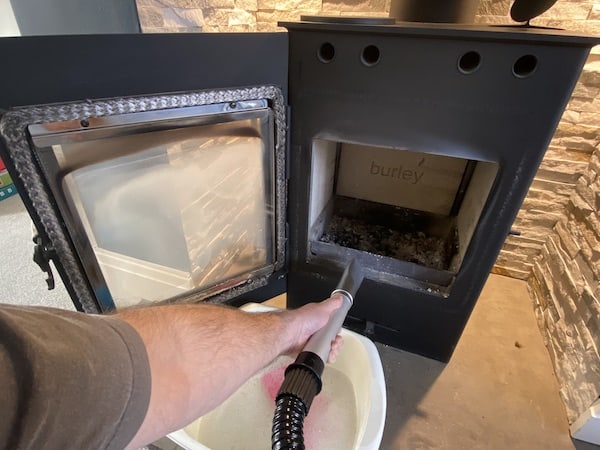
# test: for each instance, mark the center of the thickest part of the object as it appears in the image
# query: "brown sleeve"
(69, 380)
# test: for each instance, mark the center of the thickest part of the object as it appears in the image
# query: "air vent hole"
(469, 62)
(525, 66)
(370, 55)
(326, 53)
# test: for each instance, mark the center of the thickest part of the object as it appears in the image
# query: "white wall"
(8, 24)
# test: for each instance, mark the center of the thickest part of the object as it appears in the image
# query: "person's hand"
(303, 322)
(336, 346)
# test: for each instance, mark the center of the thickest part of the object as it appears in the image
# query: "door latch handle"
(42, 256)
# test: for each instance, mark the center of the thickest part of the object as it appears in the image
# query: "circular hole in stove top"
(326, 52)
(525, 66)
(469, 62)
(370, 55)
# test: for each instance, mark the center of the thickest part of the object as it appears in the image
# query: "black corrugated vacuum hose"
(302, 380)
(301, 384)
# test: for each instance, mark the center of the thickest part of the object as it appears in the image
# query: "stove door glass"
(165, 203)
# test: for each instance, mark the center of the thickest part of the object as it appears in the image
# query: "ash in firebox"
(413, 246)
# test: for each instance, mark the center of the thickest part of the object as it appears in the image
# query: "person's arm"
(200, 354)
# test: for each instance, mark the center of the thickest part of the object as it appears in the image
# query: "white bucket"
(349, 413)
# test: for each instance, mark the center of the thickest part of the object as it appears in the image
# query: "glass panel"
(178, 210)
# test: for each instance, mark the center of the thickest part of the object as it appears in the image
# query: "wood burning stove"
(159, 169)
(426, 142)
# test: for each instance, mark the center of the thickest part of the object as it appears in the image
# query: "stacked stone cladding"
(565, 288)
(158, 16)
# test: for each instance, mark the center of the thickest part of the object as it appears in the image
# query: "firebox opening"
(409, 216)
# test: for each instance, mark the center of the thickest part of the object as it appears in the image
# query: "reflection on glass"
(184, 209)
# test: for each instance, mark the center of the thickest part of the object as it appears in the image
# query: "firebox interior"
(410, 215)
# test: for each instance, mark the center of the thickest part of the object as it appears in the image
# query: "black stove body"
(408, 147)
(485, 104)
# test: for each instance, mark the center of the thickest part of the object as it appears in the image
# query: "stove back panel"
(54, 69)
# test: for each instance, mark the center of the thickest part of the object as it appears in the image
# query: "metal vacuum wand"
(302, 380)
(320, 342)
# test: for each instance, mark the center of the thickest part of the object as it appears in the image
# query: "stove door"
(170, 196)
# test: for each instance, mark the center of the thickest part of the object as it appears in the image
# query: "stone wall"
(244, 15)
(565, 287)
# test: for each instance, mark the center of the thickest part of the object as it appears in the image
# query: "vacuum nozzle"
(350, 281)
(320, 342)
